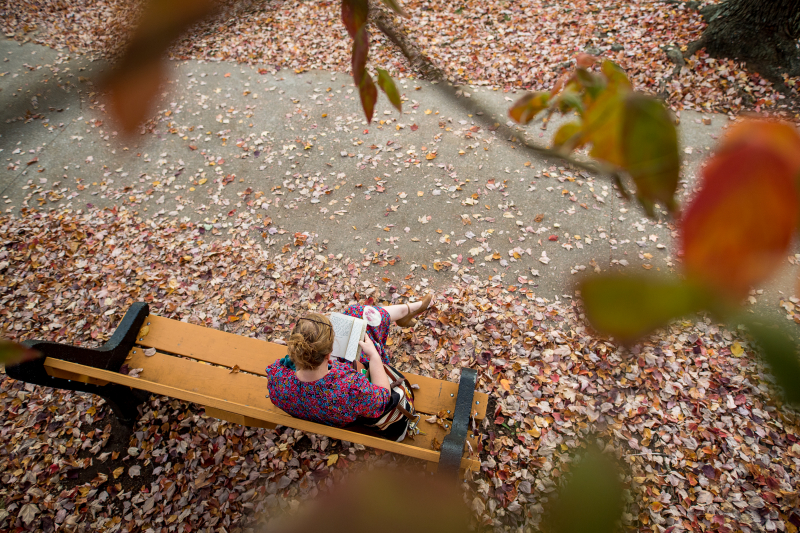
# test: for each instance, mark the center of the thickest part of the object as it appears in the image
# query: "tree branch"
(385, 22)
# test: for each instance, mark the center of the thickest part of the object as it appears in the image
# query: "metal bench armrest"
(110, 356)
(453, 445)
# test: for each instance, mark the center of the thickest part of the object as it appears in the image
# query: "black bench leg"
(453, 445)
(111, 356)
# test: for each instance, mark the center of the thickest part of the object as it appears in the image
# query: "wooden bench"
(225, 373)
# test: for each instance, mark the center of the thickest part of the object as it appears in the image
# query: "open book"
(348, 332)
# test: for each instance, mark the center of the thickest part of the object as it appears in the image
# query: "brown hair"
(310, 341)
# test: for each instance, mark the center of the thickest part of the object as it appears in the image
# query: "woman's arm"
(377, 375)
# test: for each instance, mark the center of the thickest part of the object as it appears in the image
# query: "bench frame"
(125, 400)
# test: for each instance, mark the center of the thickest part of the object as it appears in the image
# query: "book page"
(357, 334)
(342, 327)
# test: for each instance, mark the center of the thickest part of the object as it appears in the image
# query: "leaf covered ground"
(688, 413)
(526, 44)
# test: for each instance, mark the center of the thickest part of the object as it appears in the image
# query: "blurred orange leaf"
(738, 228)
(132, 92)
(780, 137)
(603, 127)
(615, 75)
(527, 107)
(585, 60)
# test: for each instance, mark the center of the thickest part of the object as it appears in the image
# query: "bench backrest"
(226, 373)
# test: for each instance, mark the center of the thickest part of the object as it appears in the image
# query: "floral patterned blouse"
(338, 399)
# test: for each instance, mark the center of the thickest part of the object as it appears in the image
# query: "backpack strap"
(405, 411)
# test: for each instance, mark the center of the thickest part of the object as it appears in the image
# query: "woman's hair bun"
(311, 341)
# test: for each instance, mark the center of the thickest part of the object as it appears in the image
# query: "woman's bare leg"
(396, 312)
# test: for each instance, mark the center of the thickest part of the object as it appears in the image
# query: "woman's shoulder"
(341, 369)
(347, 377)
(342, 372)
(279, 370)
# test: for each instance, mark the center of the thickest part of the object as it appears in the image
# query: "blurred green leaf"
(395, 6)
(617, 79)
(12, 353)
(527, 107)
(630, 307)
(650, 151)
(386, 83)
(779, 350)
(566, 133)
(592, 499)
(623, 190)
(369, 95)
(593, 83)
(569, 100)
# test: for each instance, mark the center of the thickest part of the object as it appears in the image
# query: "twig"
(419, 61)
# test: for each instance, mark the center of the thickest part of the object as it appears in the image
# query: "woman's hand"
(377, 374)
(369, 348)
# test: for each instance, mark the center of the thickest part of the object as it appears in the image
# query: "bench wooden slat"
(238, 419)
(211, 345)
(254, 355)
(243, 394)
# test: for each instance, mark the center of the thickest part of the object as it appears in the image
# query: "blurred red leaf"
(585, 60)
(527, 107)
(780, 137)
(354, 15)
(135, 80)
(738, 228)
(360, 54)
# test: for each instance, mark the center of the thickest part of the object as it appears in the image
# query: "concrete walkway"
(425, 191)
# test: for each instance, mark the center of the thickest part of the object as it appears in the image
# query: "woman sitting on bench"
(309, 384)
